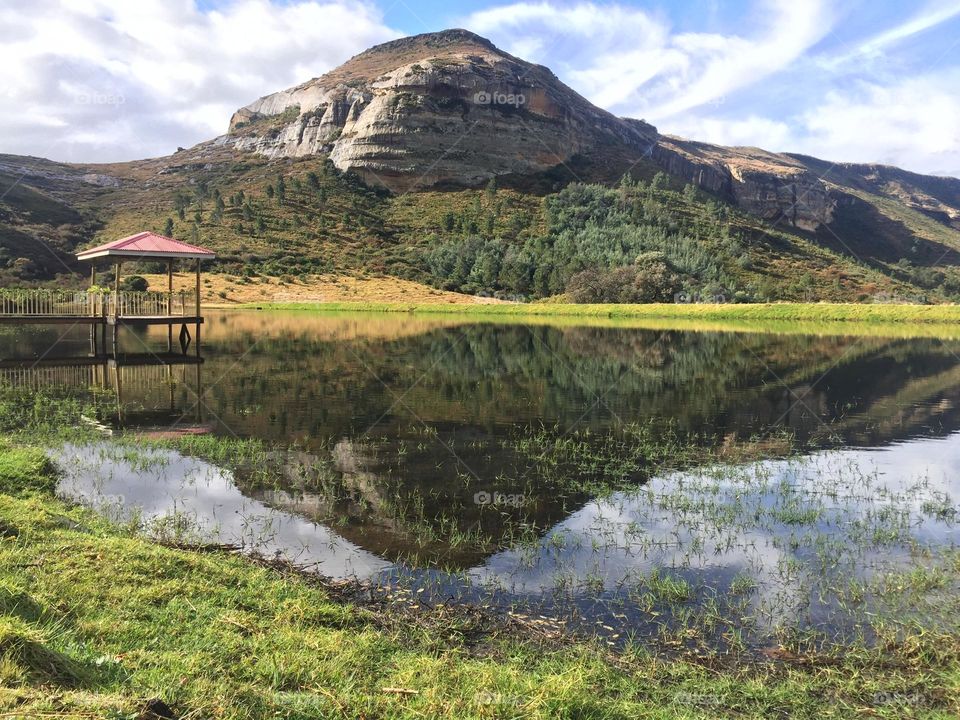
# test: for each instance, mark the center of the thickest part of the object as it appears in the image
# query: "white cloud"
(102, 80)
(929, 16)
(752, 130)
(914, 123)
(765, 85)
(630, 62)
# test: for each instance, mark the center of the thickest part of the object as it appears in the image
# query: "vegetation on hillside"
(632, 241)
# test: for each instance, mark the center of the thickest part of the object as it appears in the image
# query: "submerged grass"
(96, 622)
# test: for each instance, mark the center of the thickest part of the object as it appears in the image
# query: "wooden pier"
(101, 308)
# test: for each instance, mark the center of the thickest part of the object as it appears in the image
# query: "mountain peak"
(450, 108)
(449, 102)
(454, 39)
(455, 44)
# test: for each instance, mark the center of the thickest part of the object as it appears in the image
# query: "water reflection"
(522, 460)
(772, 544)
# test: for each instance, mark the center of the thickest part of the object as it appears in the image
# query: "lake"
(686, 486)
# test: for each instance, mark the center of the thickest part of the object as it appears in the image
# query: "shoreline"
(800, 312)
(899, 321)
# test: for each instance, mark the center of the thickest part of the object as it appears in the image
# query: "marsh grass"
(843, 607)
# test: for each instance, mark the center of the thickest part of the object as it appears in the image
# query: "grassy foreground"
(96, 622)
(784, 312)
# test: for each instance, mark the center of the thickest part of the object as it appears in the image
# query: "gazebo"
(147, 246)
(153, 307)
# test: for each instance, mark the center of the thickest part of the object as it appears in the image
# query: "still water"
(685, 485)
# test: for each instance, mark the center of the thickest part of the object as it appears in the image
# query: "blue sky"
(850, 80)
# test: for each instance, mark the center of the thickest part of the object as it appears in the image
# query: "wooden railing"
(41, 302)
(57, 303)
(150, 304)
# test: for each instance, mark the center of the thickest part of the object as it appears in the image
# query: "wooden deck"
(155, 320)
(39, 306)
(97, 310)
(121, 360)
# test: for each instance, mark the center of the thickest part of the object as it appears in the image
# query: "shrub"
(136, 283)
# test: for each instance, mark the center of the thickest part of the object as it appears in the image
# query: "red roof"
(147, 245)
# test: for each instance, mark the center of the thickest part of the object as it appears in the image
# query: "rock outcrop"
(434, 109)
(450, 108)
(774, 187)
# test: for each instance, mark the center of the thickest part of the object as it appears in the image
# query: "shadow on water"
(531, 465)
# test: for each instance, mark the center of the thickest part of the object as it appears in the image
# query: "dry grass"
(229, 290)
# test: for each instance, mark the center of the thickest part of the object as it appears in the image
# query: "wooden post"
(116, 291)
(91, 298)
(119, 392)
(116, 311)
(170, 304)
(198, 287)
(197, 339)
(199, 397)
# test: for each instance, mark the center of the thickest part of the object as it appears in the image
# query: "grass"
(781, 312)
(25, 468)
(230, 290)
(98, 622)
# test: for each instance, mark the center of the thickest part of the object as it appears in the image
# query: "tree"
(654, 280)
(201, 192)
(168, 227)
(136, 283)
(491, 191)
(181, 201)
(281, 190)
(218, 209)
(24, 268)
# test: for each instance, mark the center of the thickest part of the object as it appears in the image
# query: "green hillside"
(637, 238)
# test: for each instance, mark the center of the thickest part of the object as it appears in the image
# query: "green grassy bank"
(97, 622)
(785, 312)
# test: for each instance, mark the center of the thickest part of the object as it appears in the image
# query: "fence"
(39, 302)
(150, 304)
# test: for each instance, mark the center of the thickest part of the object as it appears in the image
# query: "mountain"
(385, 164)
(442, 108)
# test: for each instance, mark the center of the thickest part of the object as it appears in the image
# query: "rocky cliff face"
(774, 187)
(450, 108)
(439, 108)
